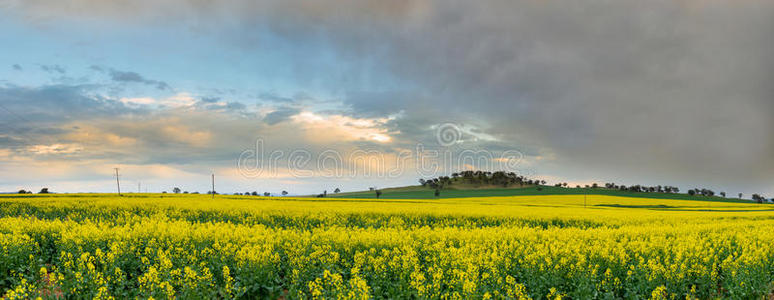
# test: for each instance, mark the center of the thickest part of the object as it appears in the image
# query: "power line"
(16, 131)
(14, 114)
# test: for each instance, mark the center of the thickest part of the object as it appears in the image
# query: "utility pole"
(118, 185)
(213, 186)
(584, 198)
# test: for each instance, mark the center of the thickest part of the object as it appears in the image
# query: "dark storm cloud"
(642, 91)
(124, 76)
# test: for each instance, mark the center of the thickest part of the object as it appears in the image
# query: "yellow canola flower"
(531, 247)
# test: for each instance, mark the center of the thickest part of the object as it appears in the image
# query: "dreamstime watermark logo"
(448, 134)
(450, 155)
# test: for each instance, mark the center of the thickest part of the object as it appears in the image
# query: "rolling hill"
(467, 191)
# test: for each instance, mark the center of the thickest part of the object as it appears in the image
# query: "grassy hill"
(466, 191)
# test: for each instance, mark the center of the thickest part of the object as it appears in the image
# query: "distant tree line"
(641, 188)
(506, 179)
(42, 191)
(177, 190)
(499, 178)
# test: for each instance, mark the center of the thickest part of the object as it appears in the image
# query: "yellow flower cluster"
(531, 247)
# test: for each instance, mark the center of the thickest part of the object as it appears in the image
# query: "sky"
(306, 96)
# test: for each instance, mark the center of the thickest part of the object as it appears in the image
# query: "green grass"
(419, 192)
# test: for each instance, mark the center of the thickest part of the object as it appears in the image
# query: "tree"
(254, 193)
(176, 190)
(691, 192)
(284, 193)
(723, 194)
(336, 191)
(740, 195)
(22, 192)
(378, 194)
(266, 194)
(437, 192)
(43, 191)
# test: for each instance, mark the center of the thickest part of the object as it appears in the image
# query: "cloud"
(125, 76)
(272, 97)
(280, 115)
(138, 101)
(55, 149)
(325, 129)
(235, 106)
(210, 99)
(657, 92)
(53, 69)
(665, 92)
(216, 105)
(17, 67)
(48, 104)
(180, 100)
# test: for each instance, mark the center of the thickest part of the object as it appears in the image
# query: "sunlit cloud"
(93, 135)
(326, 128)
(55, 149)
(187, 135)
(138, 101)
(179, 100)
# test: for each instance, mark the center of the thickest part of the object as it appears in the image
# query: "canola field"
(527, 247)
